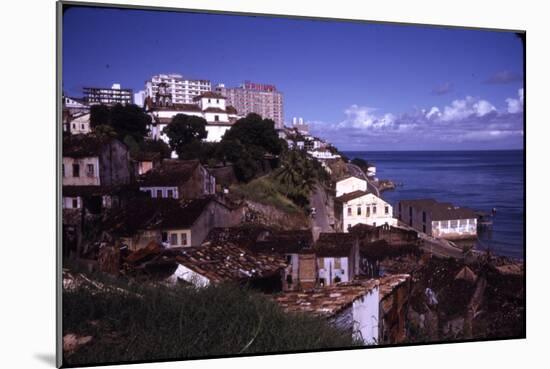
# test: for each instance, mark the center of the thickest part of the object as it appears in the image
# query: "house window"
(90, 170)
(164, 237)
(410, 211)
(174, 239)
(358, 209)
(82, 126)
(349, 211)
(76, 170)
(424, 228)
(368, 211)
(75, 203)
(159, 193)
(216, 118)
(424, 216)
(184, 239)
(386, 209)
(170, 193)
(374, 209)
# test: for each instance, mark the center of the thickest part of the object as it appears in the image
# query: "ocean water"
(481, 180)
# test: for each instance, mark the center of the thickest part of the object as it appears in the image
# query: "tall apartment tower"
(182, 90)
(108, 96)
(257, 98)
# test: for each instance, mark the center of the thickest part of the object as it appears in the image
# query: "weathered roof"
(146, 213)
(327, 301)
(214, 110)
(177, 107)
(170, 173)
(209, 94)
(335, 244)
(223, 262)
(74, 191)
(145, 156)
(390, 282)
(348, 176)
(440, 210)
(230, 109)
(351, 195)
(245, 235)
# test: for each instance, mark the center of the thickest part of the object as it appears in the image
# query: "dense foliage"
(126, 120)
(185, 134)
(246, 143)
(134, 323)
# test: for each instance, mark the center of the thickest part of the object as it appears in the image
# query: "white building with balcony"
(181, 90)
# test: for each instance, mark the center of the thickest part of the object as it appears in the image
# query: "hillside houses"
(178, 179)
(89, 160)
(171, 222)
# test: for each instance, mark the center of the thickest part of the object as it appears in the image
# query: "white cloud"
(483, 107)
(434, 112)
(515, 105)
(364, 117)
(465, 108)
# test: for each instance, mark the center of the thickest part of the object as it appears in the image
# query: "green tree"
(129, 120)
(298, 176)
(99, 115)
(255, 132)
(126, 120)
(105, 131)
(185, 133)
(159, 146)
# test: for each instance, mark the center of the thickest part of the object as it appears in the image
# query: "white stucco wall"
(67, 202)
(154, 190)
(212, 102)
(83, 179)
(327, 269)
(211, 117)
(365, 312)
(79, 125)
(216, 132)
(367, 204)
(186, 274)
(350, 184)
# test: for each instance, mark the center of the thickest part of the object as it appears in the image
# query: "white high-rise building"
(258, 98)
(181, 90)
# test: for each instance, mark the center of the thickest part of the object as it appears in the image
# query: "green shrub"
(156, 323)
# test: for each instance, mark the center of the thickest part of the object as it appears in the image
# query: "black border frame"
(62, 5)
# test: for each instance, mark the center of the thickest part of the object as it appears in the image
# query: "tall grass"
(266, 190)
(136, 323)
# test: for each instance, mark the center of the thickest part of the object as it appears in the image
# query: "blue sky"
(362, 86)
